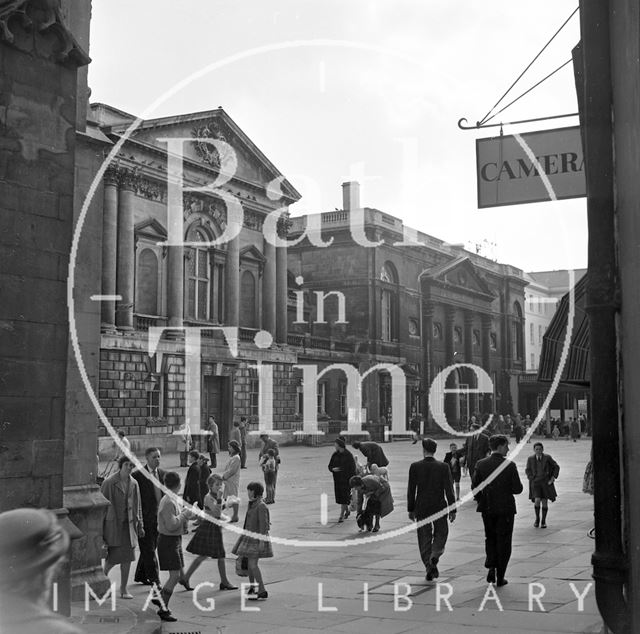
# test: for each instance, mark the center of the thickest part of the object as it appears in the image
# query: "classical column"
(486, 360)
(232, 283)
(451, 401)
(282, 290)
(269, 289)
(470, 376)
(126, 260)
(449, 314)
(281, 295)
(109, 248)
(427, 356)
(175, 285)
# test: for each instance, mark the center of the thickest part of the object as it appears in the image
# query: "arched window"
(197, 273)
(248, 300)
(147, 283)
(517, 326)
(389, 303)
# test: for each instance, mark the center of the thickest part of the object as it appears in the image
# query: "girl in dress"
(257, 520)
(207, 542)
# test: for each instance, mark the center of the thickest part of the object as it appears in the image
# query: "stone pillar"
(109, 248)
(232, 283)
(487, 404)
(175, 285)
(427, 356)
(451, 407)
(470, 375)
(126, 259)
(449, 314)
(269, 289)
(281, 295)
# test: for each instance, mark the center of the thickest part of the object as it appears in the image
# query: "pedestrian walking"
(452, 458)
(269, 443)
(231, 477)
(497, 504)
(191, 491)
(213, 443)
(257, 520)
(149, 478)
(243, 442)
(518, 428)
(342, 467)
(207, 542)
(555, 434)
(476, 447)
(575, 429)
(172, 524)
(542, 471)
(123, 522)
(268, 466)
(373, 452)
(203, 475)
(124, 443)
(414, 425)
(430, 491)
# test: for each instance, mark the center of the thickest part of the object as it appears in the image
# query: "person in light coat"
(231, 477)
(123, 522)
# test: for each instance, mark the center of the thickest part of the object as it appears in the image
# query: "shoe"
(536, 524)
(491, 575)
(165, 615)
(414, 442)
(543, 525)
(126, 595)
(185, 585)
(252, 590)
(243, 467)
(340, 519)
(259, 596)
(429, 575)
(501, 582)
(228, 586)
(375, 529)
(434, 568)
(347, 514)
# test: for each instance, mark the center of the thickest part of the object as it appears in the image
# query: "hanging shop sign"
(530, 167)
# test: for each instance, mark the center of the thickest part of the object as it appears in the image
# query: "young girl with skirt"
(257, 520)
(207, 542)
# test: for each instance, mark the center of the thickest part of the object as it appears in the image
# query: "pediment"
(151, 228)
(460, 274)
(252, 253)
(252, 165)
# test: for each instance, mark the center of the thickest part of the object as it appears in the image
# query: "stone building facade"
(411, 300)
(175, 257)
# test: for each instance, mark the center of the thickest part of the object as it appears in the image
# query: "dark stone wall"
(37, 142)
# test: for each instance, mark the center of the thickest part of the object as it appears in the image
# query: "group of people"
(431, 498)
(139, 514)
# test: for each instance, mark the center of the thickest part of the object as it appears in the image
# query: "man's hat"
(31, 540)
(235, 444)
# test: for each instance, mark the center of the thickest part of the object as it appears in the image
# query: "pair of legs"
(270, 487)
(124, 577)
(498, 532)
(344, 512)
(255, 577)
(195, 564)
(432, 538)
(540, 503)
(456, 484)
(147, 570)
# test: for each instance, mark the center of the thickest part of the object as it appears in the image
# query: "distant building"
(424, 307)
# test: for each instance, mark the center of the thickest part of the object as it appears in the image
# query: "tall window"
(531, 334)
(516, 332)
(533, 361)
(342, 398)
(197, 273)
(153, 401)
(539, 335)
(248, 300)
(389, 303)
(254, 396)
(147, 283)
(322, 397)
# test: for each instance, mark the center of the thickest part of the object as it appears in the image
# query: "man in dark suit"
(147, 570)
(497, 505)
(372, 451)
(542, 471)
(430, 491)
(476, 447)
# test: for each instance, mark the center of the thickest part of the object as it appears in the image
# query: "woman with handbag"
(231, 477)
(257, 520)
(123, 521)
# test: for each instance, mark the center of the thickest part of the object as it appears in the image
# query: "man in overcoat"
(147, 570)
(542, 471)
(430, 491)
(497, 504)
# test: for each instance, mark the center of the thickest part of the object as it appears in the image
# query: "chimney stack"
(350, 195)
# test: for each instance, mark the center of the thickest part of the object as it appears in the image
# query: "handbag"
(242, 566)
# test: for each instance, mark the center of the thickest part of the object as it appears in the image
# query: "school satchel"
(242, 566)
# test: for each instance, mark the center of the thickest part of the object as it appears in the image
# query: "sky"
(371, 90)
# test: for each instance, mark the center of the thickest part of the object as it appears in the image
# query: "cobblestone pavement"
(397, 598)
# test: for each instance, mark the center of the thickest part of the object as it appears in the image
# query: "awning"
(576, 368)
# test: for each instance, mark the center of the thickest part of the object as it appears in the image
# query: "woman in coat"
(231, 477)
(123, 521)
(343, 467)
(191, 492)
(542, 471)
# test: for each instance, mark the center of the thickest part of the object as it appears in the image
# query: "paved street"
(553, 558)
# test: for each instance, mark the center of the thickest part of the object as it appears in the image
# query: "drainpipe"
(610, 569)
